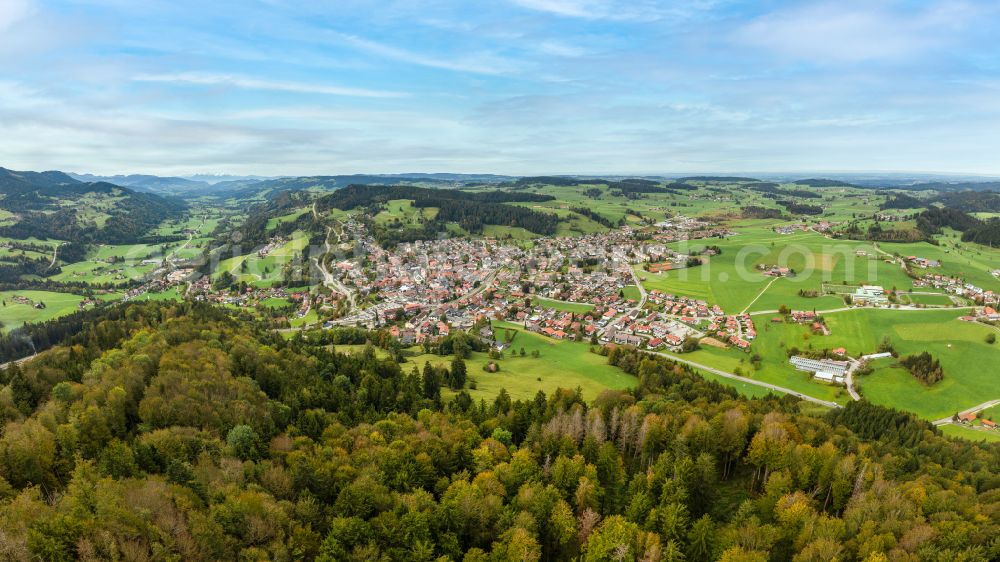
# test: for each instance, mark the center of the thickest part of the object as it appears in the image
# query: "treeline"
(814, 182)
(924, 367)
(757, 212)
(13, 267)
(902, 201)
(986, 233)
(934, 219)
(972, 201)
(473, 215)
(176, 432)
(554, 180)
(354, 196)
(876, 233)
(801, 208)
(471, 210)
(772, 191)
(729, 179)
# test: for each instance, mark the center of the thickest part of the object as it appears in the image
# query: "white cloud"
(850, 32)
(208, 79)
(13, 11)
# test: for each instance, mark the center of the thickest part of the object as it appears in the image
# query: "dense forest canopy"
(176, 432)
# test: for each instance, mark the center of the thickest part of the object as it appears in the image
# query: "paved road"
(329, 279)
(982, 406)
(847, 308)
(18, 361)
(732, 376)
(642, 290)
(850, 380)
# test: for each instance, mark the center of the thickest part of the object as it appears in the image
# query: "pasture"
(264, 271)
(15, 314)
(560, 364)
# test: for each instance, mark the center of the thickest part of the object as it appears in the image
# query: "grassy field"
(560, 364)
(264, 271)
(402, 213)
(171, 294)
(14, 315)
(967, 261)
(928, 300)
(632, 292)
(128, 263)
(578, 308)
(960, 347)
(971, 434)
(273, 223)
(733, 281)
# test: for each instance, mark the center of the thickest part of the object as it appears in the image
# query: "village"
(565, 288)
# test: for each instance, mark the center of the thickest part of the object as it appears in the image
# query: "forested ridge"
(471, 210)
(177, 432)
(37, 199)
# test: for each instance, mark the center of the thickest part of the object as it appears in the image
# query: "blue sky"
(283, 87)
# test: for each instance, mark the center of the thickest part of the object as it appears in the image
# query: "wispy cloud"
(208, 79)
(477, 63)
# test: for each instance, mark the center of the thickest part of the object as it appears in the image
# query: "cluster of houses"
(677, 305)
(775, 270)
(969, 418)
(653, 330)
(790, 228)
(736, 330)
(20, 299)
(956, 286)
(923, 262)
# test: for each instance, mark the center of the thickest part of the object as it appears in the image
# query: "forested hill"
(54, 205)
(470, 210)
(174, 432)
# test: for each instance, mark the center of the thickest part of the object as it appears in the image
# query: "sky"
(519, 87)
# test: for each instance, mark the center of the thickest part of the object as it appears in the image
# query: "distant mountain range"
(246, 185)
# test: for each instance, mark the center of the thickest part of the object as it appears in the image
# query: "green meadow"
(401, 212)
(733, 281)
(267, 270)
(578, 308)
(560, 364)
(959, 346)
(971, 434)
(13, 314)
(273, 222)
